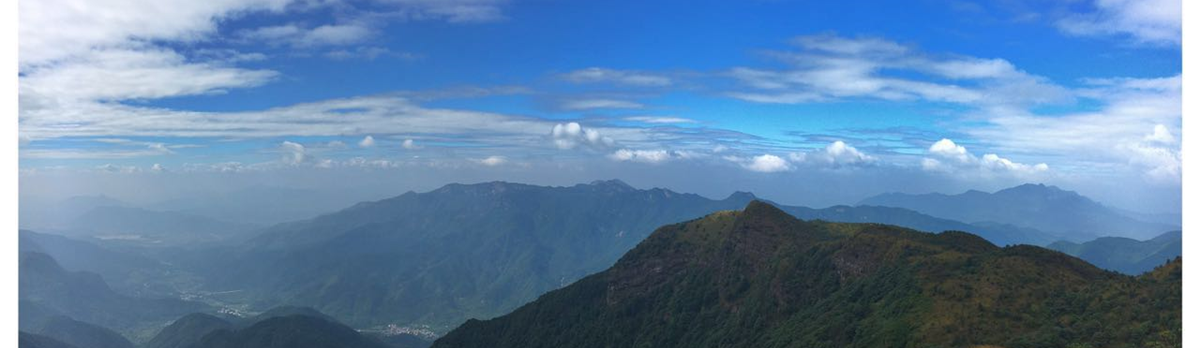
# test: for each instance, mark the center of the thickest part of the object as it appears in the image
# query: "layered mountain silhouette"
(999, 234)
(138, 225)
(762, 278)
(456, 252)
(481, 250)
(290, 327)
(29, 340)
(1126, 255)
(48, 292)
(73, 333)
(1047, 208)
(125, 271)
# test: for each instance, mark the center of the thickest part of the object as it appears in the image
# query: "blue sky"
(950, 94)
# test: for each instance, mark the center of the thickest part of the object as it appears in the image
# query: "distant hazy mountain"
(1042, 207)
(999, 234)
(1126, 255)
(80, 334)
(47, 290)
(142, 226)
(128, 272)
(761, 278)
(265, 205)
(29, 340)
(460, 251)
(57, 214)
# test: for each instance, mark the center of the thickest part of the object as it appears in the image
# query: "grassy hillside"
(761, 278)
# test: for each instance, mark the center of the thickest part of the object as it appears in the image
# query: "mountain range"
(1126, 255)
(762, 278)
(427, 262)
(480, 250)
(48, 293)
(1037, 206)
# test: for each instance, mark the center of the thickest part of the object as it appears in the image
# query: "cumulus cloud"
(947, 156)
(1144, 21)
(1161, 135)
(1157, 156)
(409, 144)
(293, 153)
(766, 163)
(493, 161)
(1133, 125)
(836, 154)
(368, 141)
(644, 156)
(571, 135)
(630, 78)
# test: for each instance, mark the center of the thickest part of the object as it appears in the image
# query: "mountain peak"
(742, 195)
(760, 208)
(614, 183)
(1032, 188)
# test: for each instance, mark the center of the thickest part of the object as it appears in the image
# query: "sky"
(813, 103)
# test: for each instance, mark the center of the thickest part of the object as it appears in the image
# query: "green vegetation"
(461, 251)
(187, 331)
(79, 334)
(761, 278)
(293, 331)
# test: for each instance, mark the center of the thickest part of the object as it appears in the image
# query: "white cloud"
(114, 168)
(765, 163)
(493, 161)
(947, 156)
(831, 68)
(1145, 21)
(122, 74)
(453, 11)
(368, 53)
(323, 35)
(368, 141)
(1161, 135)
(630, 78)
(293, 153)
(55, 30)
(570, 135)
(946, 148)
(644, 156)
(1133, 125)
(1160, 160)
(836, 154)
(587, 104)
(409, 144)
